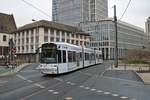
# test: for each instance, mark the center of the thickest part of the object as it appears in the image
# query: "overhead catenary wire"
(36, 8)
(125, 9)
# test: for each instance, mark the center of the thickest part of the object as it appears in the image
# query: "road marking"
(29, 81)
(68, 82)
(39, 85)
(3, 82)
(107, 93)
(81, 86)
(124, 80)
(29, 71)
(72, 83)
(35, 93)
(55, 93)
(115, 95)
(21, 77)
(50, 90)
(99, 91)
(24, 78)
(68, 98)
(133, 99)
(123, 97)
(93, 89)
(87, 88)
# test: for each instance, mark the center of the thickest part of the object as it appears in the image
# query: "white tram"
(59, 57)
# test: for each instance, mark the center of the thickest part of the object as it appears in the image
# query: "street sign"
(13, 50)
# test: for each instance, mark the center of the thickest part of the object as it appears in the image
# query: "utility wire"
(126, 9)
(36, 8)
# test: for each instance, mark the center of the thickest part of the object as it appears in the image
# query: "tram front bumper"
(48, 70)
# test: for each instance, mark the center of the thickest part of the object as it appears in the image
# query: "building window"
(27, 33)
(46, 31)
(27, 40)
(4, 38)
(52, 32)
(63, 34)
(57, 39)
(32, 33)
(45, 38)
(52, 39)
(72, 35)
(57, 33)
(68, 41)
(72, 41)
(37, 39)
(63, 40)
(32, 40)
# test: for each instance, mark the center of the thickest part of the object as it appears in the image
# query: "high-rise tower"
(72, 12)
(147, 26)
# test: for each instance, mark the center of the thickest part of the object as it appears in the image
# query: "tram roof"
(72, 45)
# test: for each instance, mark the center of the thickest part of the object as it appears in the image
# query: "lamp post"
(116, 38)
(36, 49)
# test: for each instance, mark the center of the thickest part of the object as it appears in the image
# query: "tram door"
(78, 59)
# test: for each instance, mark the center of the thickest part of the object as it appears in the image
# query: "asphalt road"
(84, 84)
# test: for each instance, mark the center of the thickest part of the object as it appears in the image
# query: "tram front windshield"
(49, 54)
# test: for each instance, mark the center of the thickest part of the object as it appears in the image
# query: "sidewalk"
(9, 71)
(144, 76)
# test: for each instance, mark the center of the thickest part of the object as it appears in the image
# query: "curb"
(146, 83)
(139, 76)
(16, 70)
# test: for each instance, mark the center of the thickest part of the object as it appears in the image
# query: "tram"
(60, 57)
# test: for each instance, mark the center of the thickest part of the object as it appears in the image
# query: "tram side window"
(93, 56)
(80, 55)
(70, 58)
(74, 56)
(59, 56)
(64, 56)
(86, 56)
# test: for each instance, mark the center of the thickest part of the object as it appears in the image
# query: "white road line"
(124, 80)
(55, 93)
(28, 71)
(29, 81)
(124, 97)
(81, 86)
(99, 91)
(35, 93)
(3, 82)
(39, 85)
(86, 88)
(107, 93)
(24, 78)
(93, 89)
(50, 90)
(21, 77)
(68, 82)
(72, 83)
(115, 95)
(133, 99)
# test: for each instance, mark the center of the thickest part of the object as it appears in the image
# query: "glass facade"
(103, 33)
(72, 12)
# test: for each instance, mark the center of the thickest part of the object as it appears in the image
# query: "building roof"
(51, 24)
(7, 23)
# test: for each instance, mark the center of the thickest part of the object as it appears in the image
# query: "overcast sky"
(136, 14)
